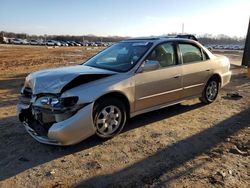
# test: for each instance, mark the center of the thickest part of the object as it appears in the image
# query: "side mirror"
(149, 65)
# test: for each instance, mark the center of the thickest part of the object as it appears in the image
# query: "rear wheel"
(109, 117)
(210, 91)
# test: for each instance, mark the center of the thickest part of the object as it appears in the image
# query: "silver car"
(64, 106)
(52, 43)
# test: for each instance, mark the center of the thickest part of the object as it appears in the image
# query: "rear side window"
(190, 53)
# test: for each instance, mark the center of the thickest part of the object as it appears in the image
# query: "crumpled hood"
(53, 80)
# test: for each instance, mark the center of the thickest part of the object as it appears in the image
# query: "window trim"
(205, 56)
(192, 44)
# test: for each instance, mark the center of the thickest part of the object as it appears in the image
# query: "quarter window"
(164, 54)
(190, 53)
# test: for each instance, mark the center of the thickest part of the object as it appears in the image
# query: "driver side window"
(164, 54)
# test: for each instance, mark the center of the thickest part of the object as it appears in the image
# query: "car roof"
(158, 39)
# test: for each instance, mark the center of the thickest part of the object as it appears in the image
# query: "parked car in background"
(98, 43)
(41, 42)
(18, 41)
(34, 42)
(209, 47)
(64, 106)
(15, 41)
(92, 44)
(52, 43)
(63, 43)
(25, 41)
(77, 44)
(70, 43)
(84, 43)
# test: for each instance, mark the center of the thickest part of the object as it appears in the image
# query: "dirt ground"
(186, 145)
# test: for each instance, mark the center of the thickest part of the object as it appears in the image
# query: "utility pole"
(45, 36)
(246, 54)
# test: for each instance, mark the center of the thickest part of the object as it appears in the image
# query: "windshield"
(120, 57)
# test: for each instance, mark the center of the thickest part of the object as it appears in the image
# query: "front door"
(160, 86)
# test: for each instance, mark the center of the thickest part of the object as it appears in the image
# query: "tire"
(109, 117)
(210, 91)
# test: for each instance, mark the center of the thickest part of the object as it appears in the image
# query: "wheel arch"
(215, 76)
(118, 95)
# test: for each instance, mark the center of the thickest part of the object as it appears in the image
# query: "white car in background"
(34, 42)
(15, 41)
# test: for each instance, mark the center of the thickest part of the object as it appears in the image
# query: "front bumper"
(70, 131)
(226, 78)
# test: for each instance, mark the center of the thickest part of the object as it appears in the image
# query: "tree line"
(204, 39)
(82, 38)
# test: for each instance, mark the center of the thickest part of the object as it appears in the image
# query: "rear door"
(195, 68)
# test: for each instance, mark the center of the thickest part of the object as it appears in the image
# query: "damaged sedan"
(63, 106)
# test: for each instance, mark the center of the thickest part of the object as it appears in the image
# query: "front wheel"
(109, 117)
(210, 91)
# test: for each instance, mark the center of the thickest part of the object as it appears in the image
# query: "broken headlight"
(55, 102)
(49, 101)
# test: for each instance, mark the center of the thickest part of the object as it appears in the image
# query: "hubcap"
(211, 90)
(108, 120)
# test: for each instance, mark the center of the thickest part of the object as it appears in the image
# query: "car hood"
(58, 79)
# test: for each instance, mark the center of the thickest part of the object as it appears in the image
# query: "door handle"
(177, 76)
(208, 70)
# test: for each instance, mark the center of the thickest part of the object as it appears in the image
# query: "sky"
(125, 17)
